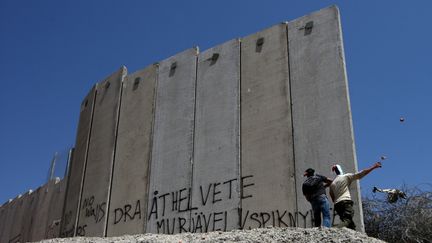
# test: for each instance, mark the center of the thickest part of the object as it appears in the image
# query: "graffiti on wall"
(128, 212)
(163, 208)
(93, 210)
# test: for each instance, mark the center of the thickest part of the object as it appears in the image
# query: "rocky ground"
(310, 235)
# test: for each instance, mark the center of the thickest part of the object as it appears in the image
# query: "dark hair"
(310, 172)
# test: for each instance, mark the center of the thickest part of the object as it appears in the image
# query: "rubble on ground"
(270, 234)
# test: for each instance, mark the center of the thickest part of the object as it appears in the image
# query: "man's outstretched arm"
(364, 172)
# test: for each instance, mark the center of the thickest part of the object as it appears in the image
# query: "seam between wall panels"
(67, 176)
(292, 120)
(114, 151)
(193, 140)
(150, 155)
(239, 137)
(75, 228)
(114, 154)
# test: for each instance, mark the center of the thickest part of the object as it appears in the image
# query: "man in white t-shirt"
(339, 192)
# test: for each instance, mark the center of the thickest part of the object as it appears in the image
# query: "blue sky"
(52, 52)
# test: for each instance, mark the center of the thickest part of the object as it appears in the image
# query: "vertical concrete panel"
(267, 163)
(3, 216)
(321, 112)
(13, 228)
(128, 204)
(29, 209)
(56, 208)
(172, 152)
(19, 217)
(40, 214)
(77, 166)
(97, 180)
(9, 217)
(216, 192)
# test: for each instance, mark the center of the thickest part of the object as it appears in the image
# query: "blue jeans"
(320, 205)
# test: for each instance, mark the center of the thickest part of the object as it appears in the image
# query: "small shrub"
(407, 220)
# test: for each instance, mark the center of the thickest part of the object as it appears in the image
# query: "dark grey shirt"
(314, 186)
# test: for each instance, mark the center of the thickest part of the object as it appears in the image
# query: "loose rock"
(301, 235)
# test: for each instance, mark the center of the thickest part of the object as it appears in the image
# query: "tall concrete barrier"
(321, 113)
(3, 217)
(10, 209)
(29, 212)
(41, 211)
(56, 210)
(216, 182)
(14, 221)
(129, 191)
(203, 142)
(172, 152)
(77, 167)
(97, 180)
(19, 218)
(267, 154)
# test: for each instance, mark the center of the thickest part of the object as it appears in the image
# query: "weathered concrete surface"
(294, 114)
(216, 189)
(40, 213)
(97, 180)
(29, 211)
(19, 218)
(3, 216)
(77, 166)
(129, 193)
(267, 161)
(56, 209)
(10, 209)
(172, 151)
(321, 113)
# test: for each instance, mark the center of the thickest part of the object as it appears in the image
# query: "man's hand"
(377, 165)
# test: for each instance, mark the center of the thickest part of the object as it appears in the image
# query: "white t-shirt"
(340, 186)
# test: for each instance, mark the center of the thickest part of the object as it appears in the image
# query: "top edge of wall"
(144, 69)
(334, 8)
(194, 50)
(197, 50)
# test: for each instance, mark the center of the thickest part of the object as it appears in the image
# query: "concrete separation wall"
(215, 191)
(97, 180)
(18, 218)
(8, 217)
(267, 135)
(3, 218)
(77, 166)
(41, 212)
(199, 142)
(321, 113)
(128, 204)
(171, 163)
(29, 211)
(56, 210)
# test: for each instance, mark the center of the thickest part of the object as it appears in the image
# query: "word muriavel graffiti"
(180, 201)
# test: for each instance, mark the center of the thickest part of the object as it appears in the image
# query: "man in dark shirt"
(314, 190)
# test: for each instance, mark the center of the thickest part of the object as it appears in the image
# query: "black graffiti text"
(92, 209)
(127, 212)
